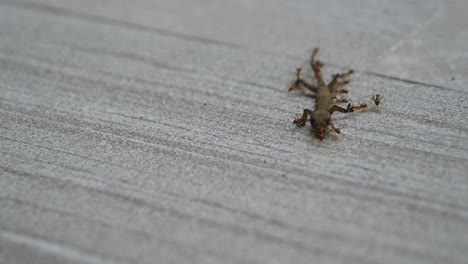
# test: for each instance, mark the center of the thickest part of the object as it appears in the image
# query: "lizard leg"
(299, 83)
(300, 122)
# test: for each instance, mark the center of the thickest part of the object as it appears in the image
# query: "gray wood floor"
(160, 132)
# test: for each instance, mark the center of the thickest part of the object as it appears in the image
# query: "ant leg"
(299, 83)
(339, 91)
(349, 108)
(341, 109)
(335, 83)
(340, 101)
(346, 74)
(296, 85)
(359, 107)
(316, 66)
(309, 86)
(341, 84)
(300, 122)
(335, 129)
(377, 98)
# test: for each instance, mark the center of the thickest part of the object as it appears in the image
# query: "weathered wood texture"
(434, 53)
(160, 132)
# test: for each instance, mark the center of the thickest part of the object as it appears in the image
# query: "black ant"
(377, 98)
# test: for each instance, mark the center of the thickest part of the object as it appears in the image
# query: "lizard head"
(320, 120)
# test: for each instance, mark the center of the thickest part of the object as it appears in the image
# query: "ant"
(359, 107)
(377, 98)
(325, 106)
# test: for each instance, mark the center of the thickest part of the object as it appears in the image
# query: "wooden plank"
(352, 33)
(435, 53)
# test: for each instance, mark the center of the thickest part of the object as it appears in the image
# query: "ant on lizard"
(325, 98)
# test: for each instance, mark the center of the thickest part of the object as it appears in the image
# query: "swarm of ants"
(325, 98)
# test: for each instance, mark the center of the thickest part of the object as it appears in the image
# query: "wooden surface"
(160, 132)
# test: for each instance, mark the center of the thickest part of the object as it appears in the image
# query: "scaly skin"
(320, 118)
